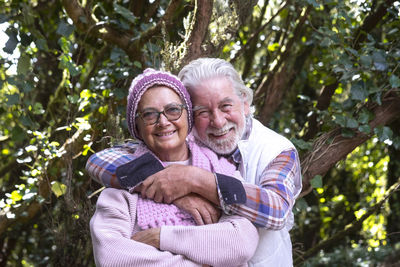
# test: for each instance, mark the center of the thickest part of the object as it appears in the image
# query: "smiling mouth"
(220, 134)
(165, 134)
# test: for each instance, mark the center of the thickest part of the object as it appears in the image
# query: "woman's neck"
(181, 155)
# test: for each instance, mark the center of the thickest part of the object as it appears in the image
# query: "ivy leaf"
(394, 81)
(24, 63)
(301, 204)
(366, 60)
(341, 120)
(364, 129)
(65, 28)
(383, 133)
(348, 133)
(358, 91)
(351, 123)
(12, 99)
(379, 61)
(42, 44)
(301, 144)
(12, 42)
(124, 12)
(364, 117)
(316, 182)
(58, 188)
(396, 142)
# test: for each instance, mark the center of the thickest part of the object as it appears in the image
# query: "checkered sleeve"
(102, 165)
(269, 203)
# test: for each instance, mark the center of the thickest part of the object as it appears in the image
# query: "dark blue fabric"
(231, 189)
(136, 171)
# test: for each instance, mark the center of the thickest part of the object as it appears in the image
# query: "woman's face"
(166, 139)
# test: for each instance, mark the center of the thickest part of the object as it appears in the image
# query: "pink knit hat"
(146, 80)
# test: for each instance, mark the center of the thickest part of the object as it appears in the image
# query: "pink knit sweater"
(230, 242)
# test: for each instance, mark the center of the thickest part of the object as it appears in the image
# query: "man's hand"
(177, 181)
(150, 237)
(202, 210)
(173, 182)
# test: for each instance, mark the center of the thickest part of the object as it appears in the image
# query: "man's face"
(219, 114)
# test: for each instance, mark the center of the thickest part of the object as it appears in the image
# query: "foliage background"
(325, 74)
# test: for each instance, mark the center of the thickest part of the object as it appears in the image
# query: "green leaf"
(42, 44)
(379, 60)
(383, 133)
(24, 63)
(137, 64)
(351, 123)
(58, 188)
(348, 133)
(366, 60)
(73, 99)
(15, 196)
(316, 182)
(65, 28)
(352, 51)
(12, 42)
(301, 204)
(358, 91)
(364, 117)
(124, 12)
(394, 81)
(38, 108)
(313, 3)
(365, 129)
(12, 99)
(396, 142)
(301, 144)
(340, 119)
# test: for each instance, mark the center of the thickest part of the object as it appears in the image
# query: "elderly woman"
(159, 114)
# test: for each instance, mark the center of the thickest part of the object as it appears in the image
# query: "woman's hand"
(150, 237)
(202, 210)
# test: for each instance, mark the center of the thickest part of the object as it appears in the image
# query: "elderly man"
(267, 161)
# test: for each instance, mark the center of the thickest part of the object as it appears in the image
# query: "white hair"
(205, 68)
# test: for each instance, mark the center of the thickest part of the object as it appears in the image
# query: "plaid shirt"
(268, 204)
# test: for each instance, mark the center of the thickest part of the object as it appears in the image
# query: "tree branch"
(202, 19)
(274, 87)
(325, 155)
(124, 40)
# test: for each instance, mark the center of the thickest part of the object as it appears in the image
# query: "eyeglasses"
(151, 116)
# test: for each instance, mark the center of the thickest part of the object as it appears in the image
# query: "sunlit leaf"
(15, 196)
(58, 188)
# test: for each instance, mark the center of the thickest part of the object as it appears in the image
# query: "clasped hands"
(174, 185)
